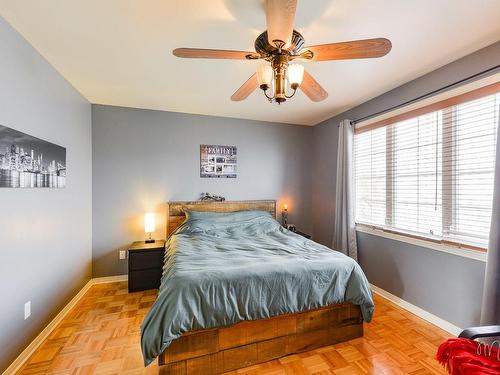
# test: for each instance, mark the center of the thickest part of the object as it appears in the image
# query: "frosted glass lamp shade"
(264, 75)
(295, 75)
(149, 222)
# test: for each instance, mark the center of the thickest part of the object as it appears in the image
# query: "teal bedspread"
(221, 269)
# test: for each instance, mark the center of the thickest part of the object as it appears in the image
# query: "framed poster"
(30, 162)
(217, 161)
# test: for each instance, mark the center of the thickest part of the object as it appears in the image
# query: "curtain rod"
(432, 93)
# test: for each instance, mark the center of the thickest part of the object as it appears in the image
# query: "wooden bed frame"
(217, 350)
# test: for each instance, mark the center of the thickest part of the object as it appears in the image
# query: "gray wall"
(144, 158)
(45, 234)
(429, 279)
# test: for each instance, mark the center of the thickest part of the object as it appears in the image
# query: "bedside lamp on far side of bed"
(149, 226)
(284, 215)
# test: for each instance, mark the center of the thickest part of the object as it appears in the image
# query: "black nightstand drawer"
(145, 265)
(145, 259)
(144, 279)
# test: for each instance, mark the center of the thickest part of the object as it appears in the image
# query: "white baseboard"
(42, 336)
(109, 279)
(421, 313)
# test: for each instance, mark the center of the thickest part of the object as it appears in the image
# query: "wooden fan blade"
(312, 88)
(280, 16)
(356, 49)
(200, 53)
(246, 89)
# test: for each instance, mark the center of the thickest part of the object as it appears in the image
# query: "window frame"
(448, 190)
(423, 242)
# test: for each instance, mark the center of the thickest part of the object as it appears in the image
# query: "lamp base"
(284, 218)
(149, 241)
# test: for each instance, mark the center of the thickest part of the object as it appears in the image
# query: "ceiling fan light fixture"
(265, 76)
(279, 45)
(295, 74)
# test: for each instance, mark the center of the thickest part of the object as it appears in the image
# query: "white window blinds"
(430, 175)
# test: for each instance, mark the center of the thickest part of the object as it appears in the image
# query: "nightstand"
(145, 265)
(308, 236)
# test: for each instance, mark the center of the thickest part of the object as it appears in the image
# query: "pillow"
(202, 221)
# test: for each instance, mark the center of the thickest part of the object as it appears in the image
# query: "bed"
(239, 289)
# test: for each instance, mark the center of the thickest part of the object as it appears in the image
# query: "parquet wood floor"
(101, 335)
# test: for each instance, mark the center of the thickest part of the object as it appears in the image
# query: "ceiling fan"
(280, 45)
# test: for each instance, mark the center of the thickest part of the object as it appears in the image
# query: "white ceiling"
(118, 52)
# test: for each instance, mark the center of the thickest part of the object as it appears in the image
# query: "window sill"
(472, 254)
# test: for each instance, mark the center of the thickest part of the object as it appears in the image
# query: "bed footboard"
(214, 351)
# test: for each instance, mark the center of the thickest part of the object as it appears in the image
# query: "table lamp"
(284, 215)
(149, 226)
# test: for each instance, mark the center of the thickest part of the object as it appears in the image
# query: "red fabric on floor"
(468, 357)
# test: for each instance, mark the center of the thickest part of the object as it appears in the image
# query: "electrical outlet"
(27, 310)
(123, 254)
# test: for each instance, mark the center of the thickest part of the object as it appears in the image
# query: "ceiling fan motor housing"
(263, 48)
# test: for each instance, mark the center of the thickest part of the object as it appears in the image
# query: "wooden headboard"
(176, 210)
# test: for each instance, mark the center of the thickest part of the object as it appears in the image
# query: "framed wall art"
(30, 162)
(218, 161)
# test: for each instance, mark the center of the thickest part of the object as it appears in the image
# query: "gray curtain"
(490, 311)
(344, 234)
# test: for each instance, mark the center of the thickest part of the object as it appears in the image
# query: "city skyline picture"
(30, 162)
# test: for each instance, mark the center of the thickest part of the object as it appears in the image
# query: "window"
(429, 173)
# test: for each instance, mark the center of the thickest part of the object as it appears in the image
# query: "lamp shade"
(295, 74)
(264, 75)
(285, 206)
(149, 222)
